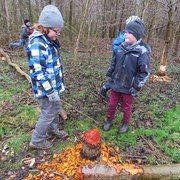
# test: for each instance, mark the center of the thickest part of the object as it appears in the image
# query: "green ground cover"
(155, 117)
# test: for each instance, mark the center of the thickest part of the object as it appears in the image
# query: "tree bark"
(91, 144)
(177, 41)
(103, 171)
(171, 171)
(90, 152)
(164, 57)
(8, 20)
(70, 19)
(30, 11)
(80, 30)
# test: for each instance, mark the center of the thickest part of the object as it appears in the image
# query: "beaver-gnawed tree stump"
(91, 144)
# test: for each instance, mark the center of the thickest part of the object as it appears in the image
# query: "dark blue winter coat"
(129, 68)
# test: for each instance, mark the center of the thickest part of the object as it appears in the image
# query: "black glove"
(133, 92)
(108, 79)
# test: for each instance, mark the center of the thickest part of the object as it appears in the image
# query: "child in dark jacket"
(127, 73)
(120, 39)
(25, 32)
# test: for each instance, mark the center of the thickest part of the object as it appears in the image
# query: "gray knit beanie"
(51, 17)
(136, 28)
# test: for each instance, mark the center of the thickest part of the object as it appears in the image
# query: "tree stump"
(91, 144)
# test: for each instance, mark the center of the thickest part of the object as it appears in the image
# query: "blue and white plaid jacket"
(45, 65)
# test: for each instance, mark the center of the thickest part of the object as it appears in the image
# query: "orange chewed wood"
(92, 137)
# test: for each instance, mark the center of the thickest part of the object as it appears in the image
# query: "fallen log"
(171, 171)
(103, 171)
(7, 58)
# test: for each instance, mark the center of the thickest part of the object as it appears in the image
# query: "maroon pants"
(127, 101)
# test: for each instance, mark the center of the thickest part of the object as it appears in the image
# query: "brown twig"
(148, 143)
(79, 111)
(153, 148)
(97, 95)
(131, 156)
(61, 175)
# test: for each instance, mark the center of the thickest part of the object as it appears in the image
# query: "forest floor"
(154, 133)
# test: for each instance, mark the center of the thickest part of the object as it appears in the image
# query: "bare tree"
(80, 30)
(177, 41)
(172, 9)
(8, 19)
(121, 22)
(103, 19)
(70, 18)
(30, 10)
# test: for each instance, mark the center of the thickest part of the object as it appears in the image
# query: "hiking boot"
(123, 128)
(61, 125)
(43, 145)
(107, 125)
(58, 134)
(103, 93)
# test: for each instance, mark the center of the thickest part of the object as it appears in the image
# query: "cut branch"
(79, 111)
(15, 65)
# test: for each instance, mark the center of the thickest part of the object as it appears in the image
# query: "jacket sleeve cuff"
(137, 88)
(108, 74)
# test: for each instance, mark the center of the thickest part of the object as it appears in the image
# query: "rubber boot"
(123, 128)
(107, 125)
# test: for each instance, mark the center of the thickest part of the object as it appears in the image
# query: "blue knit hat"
(51, 17)
(136, 28)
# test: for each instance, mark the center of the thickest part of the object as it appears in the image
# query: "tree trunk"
(91, 144)
(122, 23)
(164, 57)
(80, 31)
(30, 11)
(70, 19)
(90, 152)
(176, 41)
(103, 30)
(8, 20)
(163, 62)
